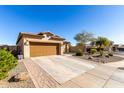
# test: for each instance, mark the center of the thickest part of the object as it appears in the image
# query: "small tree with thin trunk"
(93, 42)
(110, 47)
(84, 37)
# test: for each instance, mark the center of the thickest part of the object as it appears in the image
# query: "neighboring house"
(41, 44)
(115, 47)
(121, 48)
(118, 47)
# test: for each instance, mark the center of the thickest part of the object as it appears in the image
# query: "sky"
(65, 21)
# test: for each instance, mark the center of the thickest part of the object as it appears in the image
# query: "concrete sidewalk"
(99, 77)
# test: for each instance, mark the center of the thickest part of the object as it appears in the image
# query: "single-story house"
(121, 48)
(41, 44)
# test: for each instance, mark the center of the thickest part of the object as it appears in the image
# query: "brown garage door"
(43, 49)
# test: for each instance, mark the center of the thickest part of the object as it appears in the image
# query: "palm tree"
(102, 43)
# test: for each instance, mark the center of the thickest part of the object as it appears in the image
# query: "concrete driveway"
(63, 68)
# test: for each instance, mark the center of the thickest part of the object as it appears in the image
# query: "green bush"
(79, 52)
(3, 75)
(93, 51)
(7, 62)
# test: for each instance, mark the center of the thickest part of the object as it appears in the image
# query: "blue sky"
(65, 21)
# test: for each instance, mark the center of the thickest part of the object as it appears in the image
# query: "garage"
(43, 49)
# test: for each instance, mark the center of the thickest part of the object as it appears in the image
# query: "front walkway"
(101, 76)
(40, 78)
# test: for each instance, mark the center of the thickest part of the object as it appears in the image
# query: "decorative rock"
(104, 61)
(121, 68)
(90, 57)
(107, 56)
(19, 77)
(22, 76)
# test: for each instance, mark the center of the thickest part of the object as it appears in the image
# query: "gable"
(41, 35)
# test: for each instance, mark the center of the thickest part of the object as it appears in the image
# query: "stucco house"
(41, 44)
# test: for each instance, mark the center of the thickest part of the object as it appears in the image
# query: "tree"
(83, 38)
(102, 43)
(93, 42)
(110, 46)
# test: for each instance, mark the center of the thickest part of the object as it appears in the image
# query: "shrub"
(93, 51)
(79, 52)
(7, 62)
(3, 75)
(110, 54)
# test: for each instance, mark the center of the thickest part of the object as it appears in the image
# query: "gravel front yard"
(102, 59)
(22, 84)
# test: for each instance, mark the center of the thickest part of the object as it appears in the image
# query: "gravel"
(103, 59)
(22, 84)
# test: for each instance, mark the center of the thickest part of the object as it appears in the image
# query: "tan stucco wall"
(26, 48)
(66, 48)
(20, 46)
(62, 49)
(44, 40)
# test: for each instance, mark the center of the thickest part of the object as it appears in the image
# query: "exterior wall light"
(26, 43)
